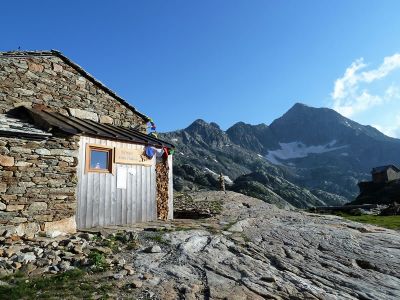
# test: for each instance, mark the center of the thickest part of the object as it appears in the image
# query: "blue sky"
(226, 61)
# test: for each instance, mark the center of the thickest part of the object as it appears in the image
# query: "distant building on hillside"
(385, 173)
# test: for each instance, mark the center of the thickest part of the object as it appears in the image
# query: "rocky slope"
(248, 250)
(261, 252)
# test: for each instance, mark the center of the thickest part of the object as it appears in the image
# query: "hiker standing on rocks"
(221, 182)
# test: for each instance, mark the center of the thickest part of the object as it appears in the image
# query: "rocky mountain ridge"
(204, 151)
(326, 150)
(317, 150)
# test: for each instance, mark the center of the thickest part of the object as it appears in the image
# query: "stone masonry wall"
(38, 181)
(49, 81)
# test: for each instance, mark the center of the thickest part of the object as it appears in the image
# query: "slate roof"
(78, 68)
(384, 169)
(14, 127)
(55, 122)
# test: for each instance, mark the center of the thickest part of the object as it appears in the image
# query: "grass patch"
(133, 245)
(98, 261)
(157, 237)
(216, 207)
(96, 238)
(391, 222)
(182, 228)
(113, 243)
(61, 286)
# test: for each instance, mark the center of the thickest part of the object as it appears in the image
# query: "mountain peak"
(319, 126)
(203, 133)
(300, 105)
(254, 137)
(215, 125)
(299, 108)
(201, 125)
(241, 124)
(198, 122)
(302, 110)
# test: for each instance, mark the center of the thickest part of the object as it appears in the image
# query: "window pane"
(98, 160)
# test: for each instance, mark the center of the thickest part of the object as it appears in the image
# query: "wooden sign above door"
(131, 157)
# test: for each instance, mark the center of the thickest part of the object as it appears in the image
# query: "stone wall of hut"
(49, 81)
(38, 181)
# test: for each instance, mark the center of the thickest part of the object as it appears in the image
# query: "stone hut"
(385, 174)
(72, 152)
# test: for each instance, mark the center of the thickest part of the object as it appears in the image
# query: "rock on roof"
(13, 127)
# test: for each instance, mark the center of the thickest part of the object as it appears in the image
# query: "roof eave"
(53, 121)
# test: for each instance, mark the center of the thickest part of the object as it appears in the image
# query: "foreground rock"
(250, 250)
(264, 252)
(45, 255)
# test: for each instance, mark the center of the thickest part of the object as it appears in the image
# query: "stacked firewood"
(162, 180)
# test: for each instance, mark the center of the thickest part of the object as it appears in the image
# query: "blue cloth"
(149, 152)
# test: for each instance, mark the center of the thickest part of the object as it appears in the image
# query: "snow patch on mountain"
(210, 171)
(227, 179)
(298, 150)
(347, 123)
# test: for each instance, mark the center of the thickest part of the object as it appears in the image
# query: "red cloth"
(165, 154)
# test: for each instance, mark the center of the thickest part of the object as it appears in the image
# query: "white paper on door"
(122, 174)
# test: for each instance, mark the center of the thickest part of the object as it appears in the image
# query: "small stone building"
(385, 174)
(72, 152)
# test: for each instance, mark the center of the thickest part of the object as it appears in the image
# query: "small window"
(99, 159)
